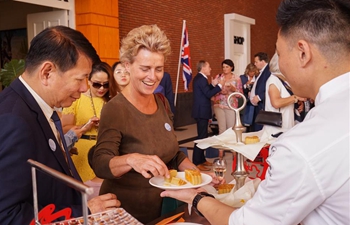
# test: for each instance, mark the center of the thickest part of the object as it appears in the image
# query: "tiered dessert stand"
(240, 174)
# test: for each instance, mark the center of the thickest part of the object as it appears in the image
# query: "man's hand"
(255, 100)
(215, 81)
(103, 203)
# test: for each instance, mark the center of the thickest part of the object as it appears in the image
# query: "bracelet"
(196, 200)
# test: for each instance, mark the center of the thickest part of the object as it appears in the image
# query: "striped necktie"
(58, 125)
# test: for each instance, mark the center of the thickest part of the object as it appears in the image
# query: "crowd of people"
(118, 127)
(308, 179)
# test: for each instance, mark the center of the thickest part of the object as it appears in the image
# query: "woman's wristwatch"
(196, 200)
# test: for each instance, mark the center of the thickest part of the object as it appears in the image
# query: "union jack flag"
(185, 60)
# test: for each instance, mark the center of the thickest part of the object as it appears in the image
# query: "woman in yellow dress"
(86, 111)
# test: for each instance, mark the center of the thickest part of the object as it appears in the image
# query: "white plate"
(158, 182)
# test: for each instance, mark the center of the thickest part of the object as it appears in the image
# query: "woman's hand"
(148, 165)
(93, 122)
(103, 202)
(215, 180)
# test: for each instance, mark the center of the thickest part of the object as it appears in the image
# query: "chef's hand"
(148, 165)
(184, 195)
(103, 203)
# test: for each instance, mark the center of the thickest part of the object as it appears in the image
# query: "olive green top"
(124, 129)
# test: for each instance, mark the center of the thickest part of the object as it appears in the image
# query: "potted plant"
(11, 71)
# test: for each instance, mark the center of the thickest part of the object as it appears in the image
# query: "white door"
(39, 21)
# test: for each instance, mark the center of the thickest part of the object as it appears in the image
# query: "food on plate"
(173, 173)
(173, 179)
(193, 176)
(251, 140)
(225, 188)
(177, 181)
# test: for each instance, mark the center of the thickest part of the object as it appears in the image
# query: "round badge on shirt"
(52, 144)
(167, 127)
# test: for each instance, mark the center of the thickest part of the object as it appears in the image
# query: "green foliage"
(11, 71)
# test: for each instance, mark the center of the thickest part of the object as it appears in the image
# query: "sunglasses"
(99, 85)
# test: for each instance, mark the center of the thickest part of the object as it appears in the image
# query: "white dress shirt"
(47, 110)
(308, 178)
(252, 92)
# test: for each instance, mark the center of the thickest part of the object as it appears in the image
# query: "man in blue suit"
(57, 66)
(257, 94)
(201, 110)
(166, 88)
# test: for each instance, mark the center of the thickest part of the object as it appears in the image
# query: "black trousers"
(198, 156)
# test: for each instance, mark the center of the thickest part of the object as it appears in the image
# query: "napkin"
(170, 219)
(236, 198)
(227, 140)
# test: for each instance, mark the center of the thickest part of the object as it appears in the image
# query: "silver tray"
(114, 216)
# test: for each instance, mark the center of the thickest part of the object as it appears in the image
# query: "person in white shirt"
(308, 179)
(279, 99)
(257, 94)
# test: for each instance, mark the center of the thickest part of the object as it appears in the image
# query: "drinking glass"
(219, 167)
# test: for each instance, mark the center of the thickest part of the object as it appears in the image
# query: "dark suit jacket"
(261, 86)
(244, 80)
(25, 134)
(168, 90)
(202, 93)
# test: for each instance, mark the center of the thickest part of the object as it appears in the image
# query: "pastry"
(173, 173)
(177, 181)
(193, 176)
(225, 188)
(173, 179)
(251, 140)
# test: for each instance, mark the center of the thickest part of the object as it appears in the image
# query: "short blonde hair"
(250, 68)
(274, 67)
(149, 37)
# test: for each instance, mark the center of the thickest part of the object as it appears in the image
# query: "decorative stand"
(64, 178)
(240, 174)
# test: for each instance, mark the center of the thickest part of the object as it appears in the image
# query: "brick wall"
(98, 21)
(205, 23)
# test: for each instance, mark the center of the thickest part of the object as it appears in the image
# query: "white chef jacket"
(308, 178)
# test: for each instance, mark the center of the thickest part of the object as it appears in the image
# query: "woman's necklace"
(92, 104)
(93, 108)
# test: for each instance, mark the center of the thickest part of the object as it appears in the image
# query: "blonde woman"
(136, 135)
(279, 98)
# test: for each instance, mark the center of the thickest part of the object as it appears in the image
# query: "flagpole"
(178, 68)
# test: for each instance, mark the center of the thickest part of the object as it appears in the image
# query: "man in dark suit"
(201, 110)
(166, 88)
(257, 94)
(57, 66)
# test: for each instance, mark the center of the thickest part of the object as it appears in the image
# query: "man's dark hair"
(325, 23)
(262, 56)
(60, 45)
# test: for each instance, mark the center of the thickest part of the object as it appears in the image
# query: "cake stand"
(240, 174)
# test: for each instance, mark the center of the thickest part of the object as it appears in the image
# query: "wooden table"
(194, 217)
